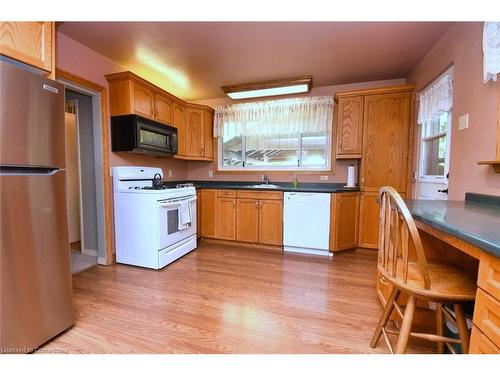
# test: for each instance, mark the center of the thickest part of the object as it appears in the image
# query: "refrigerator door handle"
(16, 170)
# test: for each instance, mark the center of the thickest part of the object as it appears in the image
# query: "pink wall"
(199, 170)
(461, 45)
(80, 60)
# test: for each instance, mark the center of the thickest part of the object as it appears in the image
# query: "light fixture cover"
(269, 88)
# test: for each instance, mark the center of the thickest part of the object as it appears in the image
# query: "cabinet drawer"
(250, 194)
(226, 193)
(489, 275)
(480, 344)
(487, 315)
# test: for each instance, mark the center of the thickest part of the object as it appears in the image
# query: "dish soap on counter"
(295, 182)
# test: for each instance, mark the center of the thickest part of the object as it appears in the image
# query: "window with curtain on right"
(434, 118)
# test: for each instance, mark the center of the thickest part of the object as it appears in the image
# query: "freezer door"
(35, 276)
(31, 118)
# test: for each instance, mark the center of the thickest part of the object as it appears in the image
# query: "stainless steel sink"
(264, 186)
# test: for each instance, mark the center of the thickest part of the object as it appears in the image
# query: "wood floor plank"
(228, 299)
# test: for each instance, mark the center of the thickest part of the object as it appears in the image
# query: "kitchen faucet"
(265, 179)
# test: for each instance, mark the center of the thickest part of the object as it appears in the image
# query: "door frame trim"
(101, 94)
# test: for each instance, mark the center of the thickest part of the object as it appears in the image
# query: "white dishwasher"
(306, 223)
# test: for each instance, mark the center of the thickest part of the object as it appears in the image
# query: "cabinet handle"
(382, 280)
(257, 204)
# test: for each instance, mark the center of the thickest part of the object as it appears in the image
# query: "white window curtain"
(491, 50)
(436, 98)
(274, 117)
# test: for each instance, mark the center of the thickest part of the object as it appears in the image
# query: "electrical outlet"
(463, 122)
(323, 178)
(169, 173)
(210, 173)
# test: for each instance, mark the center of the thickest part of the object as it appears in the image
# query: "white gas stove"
(155, 224)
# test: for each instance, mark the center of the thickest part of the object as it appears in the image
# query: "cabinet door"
(164, 109)
(349, 127)
(209, 135)
(344, 221)
(180, 124)
(208, 212)
(226, 219)
(29, 42)
(271, 222)
(195, 132)
(143, 101)
(385, 141)
(368, 220)
(247, 220)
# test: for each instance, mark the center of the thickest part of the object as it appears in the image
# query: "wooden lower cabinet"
(368, 220)
(480, 344)
(271, 222)
(226, 219)
(247, 222)
(208, 206)
(344, 213)
(242, 215)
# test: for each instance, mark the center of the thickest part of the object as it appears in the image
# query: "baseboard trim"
(275, 248)
(101, 261)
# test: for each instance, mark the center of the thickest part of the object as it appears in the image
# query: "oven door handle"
(177, 203)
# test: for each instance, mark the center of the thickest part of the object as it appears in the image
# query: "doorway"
(82, 184)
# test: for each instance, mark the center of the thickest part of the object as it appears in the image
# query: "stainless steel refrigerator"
(35, 276)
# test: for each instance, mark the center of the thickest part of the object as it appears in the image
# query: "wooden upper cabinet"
(226, 219)
(130, 94)
(180, 124)
(247, 222)
(344, 216)
(208, 134)
(385, 141)
(195, 129)
(32, 43)
(144, 102)
(349, 119)
(164, 109)
(271, 222)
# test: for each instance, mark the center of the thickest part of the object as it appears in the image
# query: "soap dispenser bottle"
(295, 182)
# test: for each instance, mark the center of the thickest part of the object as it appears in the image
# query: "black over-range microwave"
(137, 134)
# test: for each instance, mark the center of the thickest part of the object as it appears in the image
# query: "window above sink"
(280, 135)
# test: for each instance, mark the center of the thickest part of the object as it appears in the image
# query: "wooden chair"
(410, 272)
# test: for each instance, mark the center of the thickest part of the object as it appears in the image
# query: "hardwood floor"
(228, 299)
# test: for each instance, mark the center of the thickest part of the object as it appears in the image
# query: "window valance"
(436, 98)
(274, 117)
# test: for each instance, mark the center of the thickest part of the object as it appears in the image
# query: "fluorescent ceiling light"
(269, 88)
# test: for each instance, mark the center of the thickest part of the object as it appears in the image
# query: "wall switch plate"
(169, 173)
(210, 173)
(323, 178)
(463, 122)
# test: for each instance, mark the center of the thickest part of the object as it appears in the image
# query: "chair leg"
(463, 331)
(389, 307)
(439, 327)
(404, 332)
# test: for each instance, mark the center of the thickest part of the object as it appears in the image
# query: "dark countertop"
(283, 186)
(475, 221)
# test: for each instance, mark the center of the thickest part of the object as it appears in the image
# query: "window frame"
(422, 154)
(260, 168)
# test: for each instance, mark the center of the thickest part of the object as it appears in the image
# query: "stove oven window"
(173, 221)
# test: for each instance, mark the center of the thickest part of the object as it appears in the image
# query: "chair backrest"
(397, 229)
